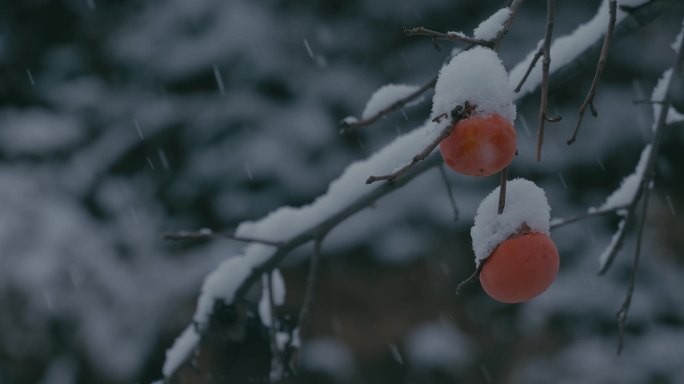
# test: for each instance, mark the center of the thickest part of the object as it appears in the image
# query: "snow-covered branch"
(289, 228)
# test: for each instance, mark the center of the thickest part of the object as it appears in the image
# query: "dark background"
(115, 128)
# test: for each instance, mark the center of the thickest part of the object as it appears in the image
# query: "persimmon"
(479, 145)
(520, 268)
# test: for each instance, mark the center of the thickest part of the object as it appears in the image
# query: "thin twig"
(309, 297)
(450, 192)
(422, 155)
(502, 190)
(557, 223)
(470, 278)
(546, 64)
(533, 63)
(624, 308)
(276, 365)
(450, 36)
(348, 127)
(605, 262)
(603, 57)
(307, 303)
(208, 234)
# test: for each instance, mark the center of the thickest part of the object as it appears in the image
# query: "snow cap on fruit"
(526, 207)
(478, 77)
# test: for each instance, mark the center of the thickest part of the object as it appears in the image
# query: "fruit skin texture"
(479, 145)
(520, 268)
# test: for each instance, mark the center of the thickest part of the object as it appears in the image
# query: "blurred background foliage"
(123, 120)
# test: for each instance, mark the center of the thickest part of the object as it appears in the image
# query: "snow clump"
(525, 204)
(479, 77)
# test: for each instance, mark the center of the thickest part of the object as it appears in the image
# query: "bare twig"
(557, 223)
(616, 243)
(425, 152)
(546, 64)
(470, 278)
(276, 353)
(603, 57)
(533, 63)
(450, 36)
(304, 313)
(416, 159)
(348, 127)
(307, 303)
(626, 304)
(450, 193)
(204, 234)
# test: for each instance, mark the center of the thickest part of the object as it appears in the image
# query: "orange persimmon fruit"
(479, 145)
(520, 268)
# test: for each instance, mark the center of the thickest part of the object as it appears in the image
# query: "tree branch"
(646, 185)
(603, 58)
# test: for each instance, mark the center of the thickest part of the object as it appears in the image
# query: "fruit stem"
(502, 190)
(470, 278)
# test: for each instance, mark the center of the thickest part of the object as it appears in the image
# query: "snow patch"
(183, 346)
(388, 95)
(224, 281)
(278, 291)
(437, 345)
(329, 356)
(488, 29)
(678, 40)
(658, 95)
(629, 187)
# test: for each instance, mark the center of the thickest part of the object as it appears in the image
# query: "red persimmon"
(520, 268)
(479, 145)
